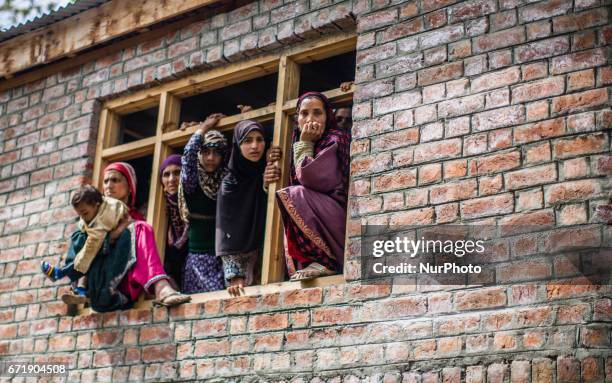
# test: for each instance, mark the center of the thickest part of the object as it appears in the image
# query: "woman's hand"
(244, 108)
(274, 154)
(236, 286)
(346, 86)
(210, 122)
(123, 224)
(271, 174)
(311, 131)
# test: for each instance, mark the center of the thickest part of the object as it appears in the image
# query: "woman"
(147, 272)
(203, 165)
(176, 243)
(241, 208)
(313, 208)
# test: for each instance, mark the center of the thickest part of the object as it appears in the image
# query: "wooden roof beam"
(67, 37)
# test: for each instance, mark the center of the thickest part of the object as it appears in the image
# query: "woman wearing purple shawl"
(178, 230)
(313, 208)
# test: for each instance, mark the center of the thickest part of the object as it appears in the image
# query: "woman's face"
(116, 186)
(311, 110)
(210, 159)
(253, 145)
(170, 178)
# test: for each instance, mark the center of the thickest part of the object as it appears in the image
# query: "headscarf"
(241, 206)
(178, 230)
(130, 175)
(209, 182)
(332, 134)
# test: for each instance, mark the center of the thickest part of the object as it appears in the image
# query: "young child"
(98, 216)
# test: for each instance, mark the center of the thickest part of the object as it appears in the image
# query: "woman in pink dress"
(147, 273)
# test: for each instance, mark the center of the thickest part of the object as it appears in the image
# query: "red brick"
(106, 358)
(572, 191)
(441, 36)
(572, 215)
(497, 118)
(552, 86)
(604, 76)
(436, 4)
(440, 73)
(331, 315)
(395, 140)
(490, 185)
(500, 139)
(544, 10)
(533, 339)
(580, 80)
(498, 40)
(480, 298)
(495, 79)
(542, 370)
(584, 40)
(155, 334)
(399, 179)
(471, 9)
(476, 343)
(268, 342)
(520, 371)
(575, 168)
(577, 61)
(592, 370)
(449, 346)
(377, 20)
(504, 341)
(495, 163)
(403, 29)
(586, 144)
(537, 153)
(461, 106)
(573, 314)
(61, 343)
(454, 191)
(602, 310)
(536, 132)
(503, 20)
(530, 177)
(534, 71)
(100, 339)
(437, 150)
(474, 374)
(487, 206)
(159, 353)
(542, 49)
(580, 21)
(408, 10)
(568, 370)
(412, 217)
(496, 373)
(579, 101)
(455, 169)
(436, 19)
(430, 174)
(302, 297)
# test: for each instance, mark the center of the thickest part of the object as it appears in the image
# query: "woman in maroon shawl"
(313, 208)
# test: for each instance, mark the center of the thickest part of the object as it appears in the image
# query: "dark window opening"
(142, 167)
(257, 93)
(138, 125)
(327, 74)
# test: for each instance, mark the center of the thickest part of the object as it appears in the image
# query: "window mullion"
(288, 87)
(169, 111)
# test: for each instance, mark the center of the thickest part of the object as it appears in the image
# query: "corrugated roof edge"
(50, 18)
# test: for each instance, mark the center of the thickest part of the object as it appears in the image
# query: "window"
(143, 128)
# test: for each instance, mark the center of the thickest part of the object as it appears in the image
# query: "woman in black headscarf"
(241, 205)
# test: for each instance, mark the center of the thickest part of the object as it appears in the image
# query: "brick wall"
(481, 111)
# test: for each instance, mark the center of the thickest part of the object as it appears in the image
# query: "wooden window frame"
(168, 97)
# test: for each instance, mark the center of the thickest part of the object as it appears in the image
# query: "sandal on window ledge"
(312, 271)
(164, 302)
